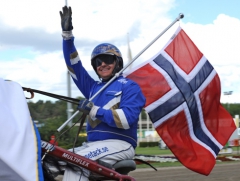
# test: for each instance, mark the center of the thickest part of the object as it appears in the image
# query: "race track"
(221, 172)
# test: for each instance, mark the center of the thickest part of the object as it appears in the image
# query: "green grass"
(157, 151)
(152, 151)
(172, 164)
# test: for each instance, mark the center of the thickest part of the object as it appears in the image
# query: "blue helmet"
(108, 49)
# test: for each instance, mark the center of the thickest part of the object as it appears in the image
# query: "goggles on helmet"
(107, 59)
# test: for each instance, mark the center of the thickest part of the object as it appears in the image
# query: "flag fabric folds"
(20, 150)
(182, 92)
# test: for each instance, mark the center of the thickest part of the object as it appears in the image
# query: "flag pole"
(117, 74)
(129, 52)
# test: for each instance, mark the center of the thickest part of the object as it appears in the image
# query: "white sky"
(30, 36)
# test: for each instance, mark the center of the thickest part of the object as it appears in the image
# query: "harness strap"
(81, 120)
(142, 161)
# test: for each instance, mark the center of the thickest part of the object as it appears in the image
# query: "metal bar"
(117, 74)
(82, 161)
(66, 122)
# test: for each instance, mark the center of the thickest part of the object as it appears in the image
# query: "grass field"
(152, 151)
(157, 151)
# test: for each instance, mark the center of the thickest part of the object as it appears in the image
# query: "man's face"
(105, 70)
(105, 65)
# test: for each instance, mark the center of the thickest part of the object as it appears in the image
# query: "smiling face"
(106, 60)
(105, 70)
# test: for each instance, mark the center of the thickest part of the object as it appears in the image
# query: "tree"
(52, 115)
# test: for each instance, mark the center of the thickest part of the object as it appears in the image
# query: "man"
(113, 114)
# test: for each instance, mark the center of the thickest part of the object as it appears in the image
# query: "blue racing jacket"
(119, 104)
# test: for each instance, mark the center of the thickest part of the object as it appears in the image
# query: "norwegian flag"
(182, 92)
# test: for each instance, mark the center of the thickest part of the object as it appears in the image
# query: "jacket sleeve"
(130, 107)
(79, 75)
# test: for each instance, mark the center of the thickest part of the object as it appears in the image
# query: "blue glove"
(85, 106)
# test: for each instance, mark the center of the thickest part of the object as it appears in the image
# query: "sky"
(31, 41)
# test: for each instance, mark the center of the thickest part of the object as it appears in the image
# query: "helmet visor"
(107, 59)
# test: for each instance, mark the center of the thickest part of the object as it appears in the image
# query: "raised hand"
(66, 18)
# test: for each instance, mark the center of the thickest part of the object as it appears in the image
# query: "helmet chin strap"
(115, 70)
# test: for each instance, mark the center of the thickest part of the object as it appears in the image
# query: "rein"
(64, 98)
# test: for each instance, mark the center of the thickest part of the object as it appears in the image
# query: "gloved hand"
(66, 18)
(85, 106)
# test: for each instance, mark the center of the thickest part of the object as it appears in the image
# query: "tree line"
(51, 115)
